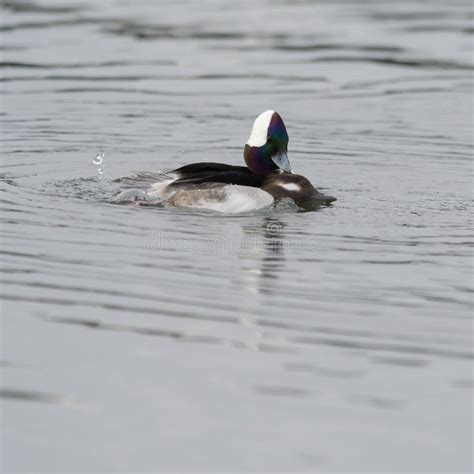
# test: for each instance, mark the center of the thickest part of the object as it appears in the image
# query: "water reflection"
(264, 258)
(262, 262)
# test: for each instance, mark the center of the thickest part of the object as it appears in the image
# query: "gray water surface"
(164, 339)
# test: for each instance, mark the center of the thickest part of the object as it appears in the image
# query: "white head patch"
(290, 186)
(258, 136)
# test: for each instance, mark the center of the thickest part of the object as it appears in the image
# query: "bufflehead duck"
(268, 177)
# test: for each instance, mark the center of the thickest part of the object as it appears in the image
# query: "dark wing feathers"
(199, 173)
(206, 167)
(194, 174)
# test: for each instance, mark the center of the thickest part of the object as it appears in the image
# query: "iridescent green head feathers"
(266, 149)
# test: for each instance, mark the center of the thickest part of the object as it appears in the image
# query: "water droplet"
(99, 159)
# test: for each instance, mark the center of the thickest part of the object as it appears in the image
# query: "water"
(139, 339)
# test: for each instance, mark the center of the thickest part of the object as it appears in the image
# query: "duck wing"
(194, 172)
(200, 173)
(206, 166)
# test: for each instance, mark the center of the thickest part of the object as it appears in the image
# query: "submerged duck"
(267, 179)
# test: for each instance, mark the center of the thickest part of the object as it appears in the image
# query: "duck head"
(266, 149)
(296, 187)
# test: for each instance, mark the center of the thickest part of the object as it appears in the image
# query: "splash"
(137, 196)
(99, 161)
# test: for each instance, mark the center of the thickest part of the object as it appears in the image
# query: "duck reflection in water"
(263, 263)
(264, 254)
